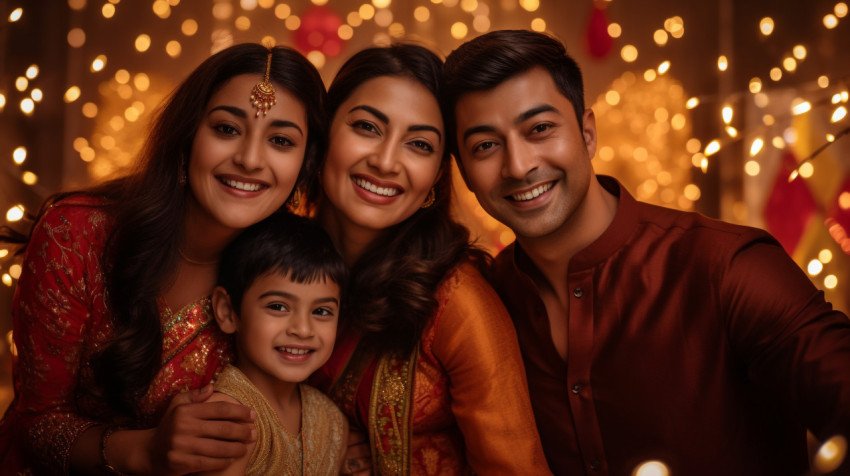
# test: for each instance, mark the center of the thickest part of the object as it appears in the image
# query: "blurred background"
(733, 109)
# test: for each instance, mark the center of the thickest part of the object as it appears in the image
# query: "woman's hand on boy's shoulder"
(203, 431)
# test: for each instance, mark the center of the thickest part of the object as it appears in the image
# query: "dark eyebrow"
(533, 112)
(386, 120)
(519, 119)
(329, 299)
(242, 114)
(476, 130)
(282, 294)
(380, 115)
(425, 127)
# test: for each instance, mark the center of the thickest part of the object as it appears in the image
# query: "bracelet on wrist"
(104, 439)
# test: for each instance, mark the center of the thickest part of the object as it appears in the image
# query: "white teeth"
(385, 191)
(248, 187)
(290, 350)
(533, 193)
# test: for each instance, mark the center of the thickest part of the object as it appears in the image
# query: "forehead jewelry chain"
(262, 96)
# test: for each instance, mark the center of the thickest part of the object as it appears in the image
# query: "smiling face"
(242, 168)
(386, 144)
(284, 330)
(523, 154)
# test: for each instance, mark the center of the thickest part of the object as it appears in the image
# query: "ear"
(225, 315)
(588, 131)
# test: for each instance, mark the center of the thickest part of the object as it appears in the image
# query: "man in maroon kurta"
(649, 334)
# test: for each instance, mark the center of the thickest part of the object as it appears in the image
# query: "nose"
(250, 154)
(385, 159)
(519, 159)
(300, 325)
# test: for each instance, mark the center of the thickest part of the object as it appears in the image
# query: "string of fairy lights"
(645, 115)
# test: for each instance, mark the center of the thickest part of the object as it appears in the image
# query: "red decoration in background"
(318, 31)
(789, 207)
(599, 42)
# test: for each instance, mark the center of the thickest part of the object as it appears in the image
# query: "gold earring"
(429, 200)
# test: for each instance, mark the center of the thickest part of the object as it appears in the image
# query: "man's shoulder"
(690, 223)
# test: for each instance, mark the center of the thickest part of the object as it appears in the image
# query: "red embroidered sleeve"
(58, 321)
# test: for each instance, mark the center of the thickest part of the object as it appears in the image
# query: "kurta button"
(578, 292)
(594, 465)
(577, 388)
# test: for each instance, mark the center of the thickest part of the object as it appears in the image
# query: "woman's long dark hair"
(393, 284)
(149, 206)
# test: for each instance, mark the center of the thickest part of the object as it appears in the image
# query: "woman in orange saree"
(429, 367)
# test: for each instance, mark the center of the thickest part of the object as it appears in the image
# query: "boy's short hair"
(487, 61)
(283, 243)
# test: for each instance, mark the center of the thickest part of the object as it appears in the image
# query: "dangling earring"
(429, 200)
(295, 200)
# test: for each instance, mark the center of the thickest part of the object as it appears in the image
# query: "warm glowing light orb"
(752, 168)
(799, 52)
(660, 37)
(839, 114)
(29, 178)
(806, 170)
(529, 5)
(15, 213)
(421, 14)
(615, 30)
(7, 280)
(692, 103)
(459, 30)
(692, 192)
(726, 113)
(766, 26)
(538, 25)
(844, 200)
(21, 83)
(32, 72)
(629, 53)
(831, 453)
(15, 271)
(143, 43)
(651, 468)
(825, 255)
(98, 63)
(830, 21)
(830, 281)
(27, 106)
(16, 15)
(840, 9)
(722, 63)
(775, 73)
(19, 155)
(712, 148)
(800, 107)
(664, 67)
(756, 146)
(814, 267)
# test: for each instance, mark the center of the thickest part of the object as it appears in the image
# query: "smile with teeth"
(533, 193)
(248, 187)
(367, 185)
(294, 351)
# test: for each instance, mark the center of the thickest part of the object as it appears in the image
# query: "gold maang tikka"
(262, 96)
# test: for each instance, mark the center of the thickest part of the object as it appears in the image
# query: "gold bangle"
(104, 437)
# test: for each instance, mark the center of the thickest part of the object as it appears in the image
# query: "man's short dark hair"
(490, 59)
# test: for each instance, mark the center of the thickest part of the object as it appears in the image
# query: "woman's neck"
(350, 239)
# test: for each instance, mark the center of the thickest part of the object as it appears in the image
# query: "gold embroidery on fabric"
(390, 428)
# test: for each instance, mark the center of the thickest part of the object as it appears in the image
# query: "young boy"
(279, 293)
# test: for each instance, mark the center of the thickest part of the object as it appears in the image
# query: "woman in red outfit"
(430, 369)
(111, 316)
